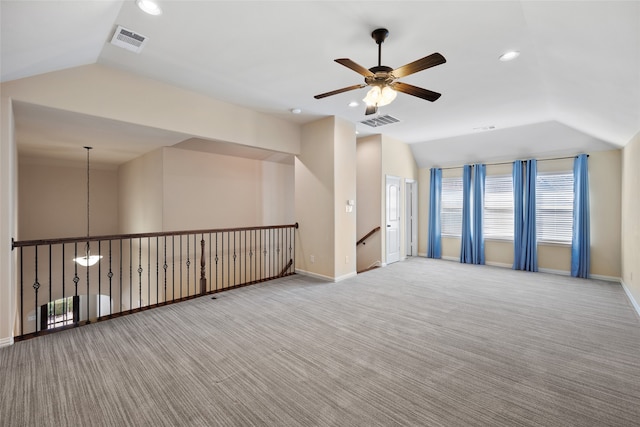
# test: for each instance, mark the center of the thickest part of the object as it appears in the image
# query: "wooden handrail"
(17, 244)
(367, 236)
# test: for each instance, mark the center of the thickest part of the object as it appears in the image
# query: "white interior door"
(393, 219)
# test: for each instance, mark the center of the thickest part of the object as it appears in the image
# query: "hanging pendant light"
(88, 260)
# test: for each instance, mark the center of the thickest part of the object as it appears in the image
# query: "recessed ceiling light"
(149, 6)
(296, 111)
(508, 56)
(354, 104)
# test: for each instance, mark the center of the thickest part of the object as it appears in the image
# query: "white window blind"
(498, 207)
(554, 207)
(451, 207)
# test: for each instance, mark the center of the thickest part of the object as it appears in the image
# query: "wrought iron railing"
(141, 271)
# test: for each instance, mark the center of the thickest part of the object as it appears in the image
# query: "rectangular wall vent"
(128, 39)
(380, 121)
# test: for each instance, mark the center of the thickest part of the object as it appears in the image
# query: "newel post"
(203, 279)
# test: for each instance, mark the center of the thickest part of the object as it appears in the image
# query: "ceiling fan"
(382, 79)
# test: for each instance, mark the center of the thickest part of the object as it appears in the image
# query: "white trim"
(500, 264)
(422, 254)
(345, 276)
(451, 258)
(632, 300)
(327, 278)
(552, 271)
(605, 278)
(6, 342)
(315, 275)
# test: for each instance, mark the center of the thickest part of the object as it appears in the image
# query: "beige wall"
(140, 195)
(345, 189)
(171, 189)
(8, 220)
(278, 191)
(205, 190)
(605, 200)
(101, 91)
(314, 200)
(424, 193)
(397, 160)
(630, 214)
(369, 177)
(605, 197)
(52, 200)
(325, 178)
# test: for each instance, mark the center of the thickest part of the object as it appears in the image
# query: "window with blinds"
(451, 207)
(498, 207)
(554, 207)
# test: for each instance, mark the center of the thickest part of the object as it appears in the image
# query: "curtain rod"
(508, 163)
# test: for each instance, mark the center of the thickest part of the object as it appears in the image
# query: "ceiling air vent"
(380, 121)
(128, 39)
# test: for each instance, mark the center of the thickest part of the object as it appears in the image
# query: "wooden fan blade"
(355, 67)
(416, 91)
(419, 65)
(337, 91)
(371, 109)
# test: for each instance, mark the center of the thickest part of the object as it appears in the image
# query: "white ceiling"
(575, 86)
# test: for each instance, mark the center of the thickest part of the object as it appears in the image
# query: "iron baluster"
(148, 271)
(164, 267)
(50, 283)
(139, 273)
(188, 265)
(121, 275)
(234, 258)
(36, 286)
(216, 262)
(110, 276)
(157, 270)
(76, 279)
(99, 280)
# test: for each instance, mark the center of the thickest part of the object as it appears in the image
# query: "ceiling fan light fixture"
(509, 56)
(149, 6)
(380, 96)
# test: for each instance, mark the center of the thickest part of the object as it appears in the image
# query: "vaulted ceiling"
(575, 86)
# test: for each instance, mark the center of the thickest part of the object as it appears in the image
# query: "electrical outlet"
(346, 259)
(312, 258)
(31, 318)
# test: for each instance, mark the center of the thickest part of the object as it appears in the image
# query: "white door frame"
(411, 217)
(393, 218)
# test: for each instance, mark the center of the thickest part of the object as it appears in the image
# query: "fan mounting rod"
(379, 36)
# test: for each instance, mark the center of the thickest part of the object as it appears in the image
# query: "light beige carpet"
(421, 342)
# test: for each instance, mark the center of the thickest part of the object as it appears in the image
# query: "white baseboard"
(422, 254)
(605, 278)
(345, 276)
(500, 264)
(5, 342)
(552, 271)
(326, 278)
(314, 275)
(451, 258)
(632, 300)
